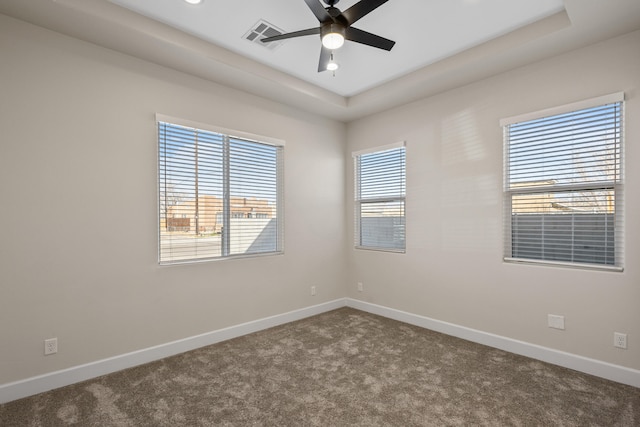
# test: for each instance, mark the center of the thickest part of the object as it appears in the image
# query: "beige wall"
(453, 269)
(77, 144)
(78, 250)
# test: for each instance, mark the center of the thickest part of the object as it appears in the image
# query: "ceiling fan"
(336, 27)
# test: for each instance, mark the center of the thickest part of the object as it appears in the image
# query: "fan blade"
(359, 36)
(325, 57)
(360, 9)
(318, 10)
(308, 32)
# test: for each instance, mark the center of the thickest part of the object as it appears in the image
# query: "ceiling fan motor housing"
(332, 27)
(336, 16)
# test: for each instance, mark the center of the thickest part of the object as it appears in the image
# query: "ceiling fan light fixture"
(193, 1)
(332, 65)
(333, 41)
(333, 36)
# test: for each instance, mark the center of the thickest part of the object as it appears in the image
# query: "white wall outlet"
(313, 290)
(555, 321)
(619, 340)
(360, 287)
(50, 346)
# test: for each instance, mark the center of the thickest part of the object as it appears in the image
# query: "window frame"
(615, 185)
(359, 200)
(227, 135)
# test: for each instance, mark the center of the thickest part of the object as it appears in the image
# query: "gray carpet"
(342, 368)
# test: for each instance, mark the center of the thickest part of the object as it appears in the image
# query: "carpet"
(341, 368)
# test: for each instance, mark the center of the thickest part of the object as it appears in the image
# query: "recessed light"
(193, 1)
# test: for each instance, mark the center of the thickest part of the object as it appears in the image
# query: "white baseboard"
(50, 381)
(595, 367)
(30, 386)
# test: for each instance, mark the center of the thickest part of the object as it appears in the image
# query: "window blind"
(219, 195)
(380, 180)
(563, 187)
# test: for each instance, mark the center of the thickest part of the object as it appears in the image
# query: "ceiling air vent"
(262, 29)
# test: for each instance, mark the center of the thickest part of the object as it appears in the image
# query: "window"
(563, 185)
(379, 198)
(220, 193)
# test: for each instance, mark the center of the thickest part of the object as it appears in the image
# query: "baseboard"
(594, 367)
(50, 381)
(31, 386)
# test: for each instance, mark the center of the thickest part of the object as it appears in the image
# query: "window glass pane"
(382, 174)
(578, 147)
(253, 181)
(190, 193)
(572, 227)
(382, 225)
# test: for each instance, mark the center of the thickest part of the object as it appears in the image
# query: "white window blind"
(219, 195)
(380, 181)
(564, 187)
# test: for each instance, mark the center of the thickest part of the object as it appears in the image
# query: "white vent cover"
(262, 29)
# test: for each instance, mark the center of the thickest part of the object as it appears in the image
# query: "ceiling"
(440, 44)
(413, 24)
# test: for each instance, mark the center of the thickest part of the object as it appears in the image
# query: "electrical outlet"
(619, 340)
(313, 290)
(50, 346)
(556, 322)
(360, 287)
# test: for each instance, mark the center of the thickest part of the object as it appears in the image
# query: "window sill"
(575, 265)
(368, 248)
